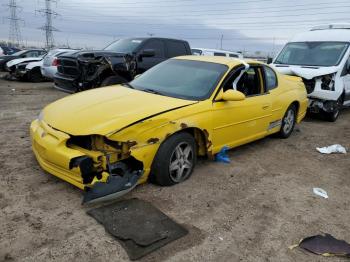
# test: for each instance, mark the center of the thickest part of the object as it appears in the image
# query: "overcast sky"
(244, 25)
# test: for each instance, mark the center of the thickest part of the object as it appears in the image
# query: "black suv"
(118, 63)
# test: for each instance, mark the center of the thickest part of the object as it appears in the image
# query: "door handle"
(265, 107)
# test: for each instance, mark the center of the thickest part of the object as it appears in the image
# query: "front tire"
(175, 160)
(34, 75)
(288, 122)
(333, 116)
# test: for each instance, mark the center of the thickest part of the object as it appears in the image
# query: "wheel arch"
(200, 136)
(297, 106)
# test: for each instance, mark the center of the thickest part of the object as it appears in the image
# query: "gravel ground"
(249, 210)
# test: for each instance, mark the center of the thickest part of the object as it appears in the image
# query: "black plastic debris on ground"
(325, 245)
(138, 226)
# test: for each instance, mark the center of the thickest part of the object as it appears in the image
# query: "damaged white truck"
(321, 57)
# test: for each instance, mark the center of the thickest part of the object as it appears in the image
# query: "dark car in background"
(118, 63)
(20, 54)
(7, 50)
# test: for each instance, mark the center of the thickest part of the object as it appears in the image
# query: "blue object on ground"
(222, 155)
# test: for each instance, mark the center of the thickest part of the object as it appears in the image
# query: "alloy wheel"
(288, 121)
(181, 162)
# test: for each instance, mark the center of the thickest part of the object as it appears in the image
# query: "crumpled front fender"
(145, 137)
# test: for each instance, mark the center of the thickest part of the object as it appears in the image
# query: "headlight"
(328, 82)
(41, 116)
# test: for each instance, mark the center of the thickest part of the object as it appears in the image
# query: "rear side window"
(176, 48)
(157, 46)
(196, 52)
(219, 54)
(233, 55)
(32, 54)
(270, 78)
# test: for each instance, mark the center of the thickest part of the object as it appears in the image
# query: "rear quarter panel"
(293, 91)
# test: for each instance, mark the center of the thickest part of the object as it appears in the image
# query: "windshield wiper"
(128, 85)
(149, 90)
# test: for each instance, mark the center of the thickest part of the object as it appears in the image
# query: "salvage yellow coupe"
(108, 140)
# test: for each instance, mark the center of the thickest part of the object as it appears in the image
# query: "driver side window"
(31, 54)
(346, 69)
(250, 82)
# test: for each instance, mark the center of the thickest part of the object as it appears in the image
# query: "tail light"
(55, 62)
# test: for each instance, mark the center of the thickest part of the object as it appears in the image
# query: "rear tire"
(175, 160)
(113, 80)
(288, 122)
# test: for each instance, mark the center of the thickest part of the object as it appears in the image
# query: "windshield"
(124, 45)
(192, 80)
(19, 53)
(312, 53)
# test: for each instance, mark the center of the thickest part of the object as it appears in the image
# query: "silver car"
(49, 67)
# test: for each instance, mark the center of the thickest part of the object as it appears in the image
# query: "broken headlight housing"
(327, 82)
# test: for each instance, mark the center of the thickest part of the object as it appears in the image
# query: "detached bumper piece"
(138, 226)
(325, 245)
(115, 187)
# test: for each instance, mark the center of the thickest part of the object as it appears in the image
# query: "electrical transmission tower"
(48, 28)
(15, 37)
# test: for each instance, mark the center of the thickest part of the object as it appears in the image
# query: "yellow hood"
(105, 110)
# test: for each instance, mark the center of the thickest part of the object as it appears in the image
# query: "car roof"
(157, 38)
(229, 61)
(34, 49)
(215, 50)
(321, 35)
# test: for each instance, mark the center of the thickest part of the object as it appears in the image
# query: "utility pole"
(222, 37)
(48, 28)
(15, 37)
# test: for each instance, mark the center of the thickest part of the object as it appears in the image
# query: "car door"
(239, 122)
(346, 80)
(145, 63)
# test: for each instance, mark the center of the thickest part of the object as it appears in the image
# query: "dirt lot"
(249, 210)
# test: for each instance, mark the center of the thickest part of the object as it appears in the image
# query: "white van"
(216, 52)
(321, 57)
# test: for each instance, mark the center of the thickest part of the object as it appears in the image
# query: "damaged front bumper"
(101, 174)
(319, 105)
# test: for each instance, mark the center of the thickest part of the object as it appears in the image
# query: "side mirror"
(269, 60)
(148, 53)
(233, 95)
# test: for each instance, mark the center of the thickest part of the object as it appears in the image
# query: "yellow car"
(108, 140)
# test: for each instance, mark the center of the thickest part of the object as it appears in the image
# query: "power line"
(233, 23)
(193, 4)
(238, 16)
(197, 7)
(15, 36)
(208, 14)
(48, 28)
